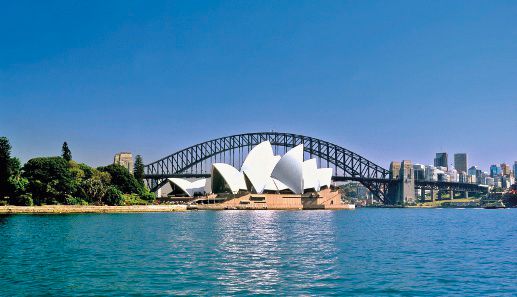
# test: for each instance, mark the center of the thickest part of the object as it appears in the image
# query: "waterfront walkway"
(89, 209)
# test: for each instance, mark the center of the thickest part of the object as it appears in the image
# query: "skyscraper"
(515, 169)
(495, 170)
(441, 160)
(505, 169)
(460, 162)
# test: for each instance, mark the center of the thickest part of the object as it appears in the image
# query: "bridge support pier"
(432, 195)
(439, 195)
(451, 194)
(422, 195)
(466, 194)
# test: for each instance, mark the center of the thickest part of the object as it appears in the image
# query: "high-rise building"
(462, 177)
(460, 162)
(124, 159)
(515, 170)
(506, 170)
(453, 175)
(495, 170)
(441, 160)
(472, 170)
(419, 170)
(507, 181)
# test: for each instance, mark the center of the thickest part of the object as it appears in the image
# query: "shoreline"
(64, 209)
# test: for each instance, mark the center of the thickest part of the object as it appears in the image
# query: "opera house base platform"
(325, 199)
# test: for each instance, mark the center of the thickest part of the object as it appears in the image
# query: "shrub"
(134, 199)
(113, 196)
(70, 200)
(22, 200)
(148, 196)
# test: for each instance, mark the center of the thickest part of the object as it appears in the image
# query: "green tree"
(96, 186)
(50, 180)
(5, 160)
(122, 179)
(66, 153)
(113, 196)
(139, 170)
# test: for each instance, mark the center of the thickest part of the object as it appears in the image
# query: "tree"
(122, 179)
(113, 196)
(139, 170)
(67, 154)
(95, 187)
(17, 184)
(5, 159)
(50, 180)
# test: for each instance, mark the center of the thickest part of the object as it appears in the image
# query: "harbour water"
(395, 252)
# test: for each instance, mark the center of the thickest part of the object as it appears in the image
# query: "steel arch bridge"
(195, 161)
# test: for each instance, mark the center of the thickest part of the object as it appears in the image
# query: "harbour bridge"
(196, 160)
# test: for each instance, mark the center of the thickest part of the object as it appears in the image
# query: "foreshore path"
(58, 209)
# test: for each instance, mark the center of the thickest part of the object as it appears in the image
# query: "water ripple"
(372, 252)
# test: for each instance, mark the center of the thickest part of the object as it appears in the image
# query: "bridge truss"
(196, 160)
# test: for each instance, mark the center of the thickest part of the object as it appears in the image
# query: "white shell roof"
(189, 187)
(233, 177)
(289, 169)
(208, 186)
(265, 171)
(198, 186)
(324, 176)
(274, 184)
(259, 164)
(310, 175)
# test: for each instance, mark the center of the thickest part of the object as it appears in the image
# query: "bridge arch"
(347, 164)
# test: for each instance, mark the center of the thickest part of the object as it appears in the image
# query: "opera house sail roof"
(261, 171)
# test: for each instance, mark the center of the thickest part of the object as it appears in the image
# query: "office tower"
(419, 170)
(441, 160)
(460, 162)
(495, 170)
(505, 169)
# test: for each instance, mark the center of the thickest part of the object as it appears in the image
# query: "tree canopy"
(50, 181)
(122, 179)
(61, 180)
(66, 153)
(139, 169)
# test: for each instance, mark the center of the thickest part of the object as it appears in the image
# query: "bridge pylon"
(401, 189)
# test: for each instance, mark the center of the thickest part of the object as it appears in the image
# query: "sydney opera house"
(265, 181)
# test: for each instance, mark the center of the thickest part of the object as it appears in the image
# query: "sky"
(389, 80)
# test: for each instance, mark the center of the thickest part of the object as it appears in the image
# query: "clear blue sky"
(390, 80)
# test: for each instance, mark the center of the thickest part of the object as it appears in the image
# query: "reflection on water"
(257, 246)
(251, 241)
(364, 252)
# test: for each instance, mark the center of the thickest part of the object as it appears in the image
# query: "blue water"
(396, 252)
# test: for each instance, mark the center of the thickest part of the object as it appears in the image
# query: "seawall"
(59, 209)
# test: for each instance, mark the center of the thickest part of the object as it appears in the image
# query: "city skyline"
(147, 79)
